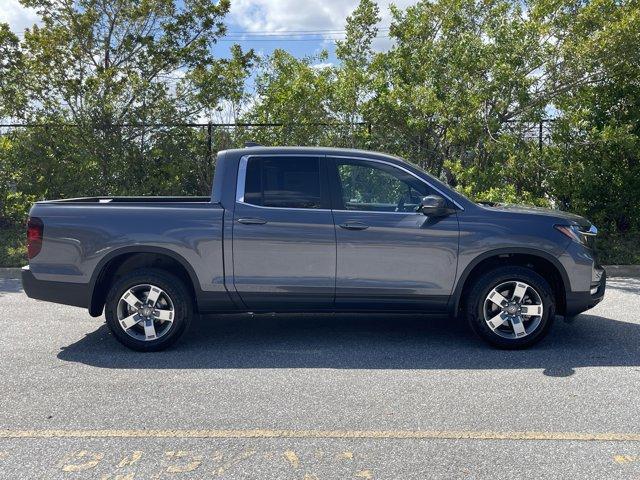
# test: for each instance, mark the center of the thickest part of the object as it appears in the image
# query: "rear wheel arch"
(125, 260)
(539, 261)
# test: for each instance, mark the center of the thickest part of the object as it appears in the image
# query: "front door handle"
(252, 221)
(354, 226)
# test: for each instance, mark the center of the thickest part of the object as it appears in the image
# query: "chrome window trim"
(375, 211)
(242, 179)
(362, 159)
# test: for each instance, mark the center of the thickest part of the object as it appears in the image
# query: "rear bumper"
(75, 294)
(578, 302)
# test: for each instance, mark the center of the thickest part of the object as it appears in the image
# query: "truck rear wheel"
(148, 309)
(510, 307)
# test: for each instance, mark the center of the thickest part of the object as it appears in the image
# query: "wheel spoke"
(497, 298)
(165, 315)
(150, 308)
(131, 299)
(149, 330)
(518, 327)
(518, 292)
(130, 321)
(496, 321)
(532, 310)
(154, 293)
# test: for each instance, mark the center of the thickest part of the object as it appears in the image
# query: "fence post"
(540, 140)
(209, 141)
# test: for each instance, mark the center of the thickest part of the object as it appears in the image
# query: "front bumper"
(67, 293)
(578, 302)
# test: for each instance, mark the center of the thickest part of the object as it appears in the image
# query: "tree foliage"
(99, 74)
(534, 101)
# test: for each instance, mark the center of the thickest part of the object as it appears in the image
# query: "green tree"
(98, 76)
(12, 99)
(353, 78)
(596, 143)
(296, 93)
(99, 65)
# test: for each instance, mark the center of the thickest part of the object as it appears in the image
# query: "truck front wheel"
(148, 309)
(510, 307)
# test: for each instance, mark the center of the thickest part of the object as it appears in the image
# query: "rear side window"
(285, 182)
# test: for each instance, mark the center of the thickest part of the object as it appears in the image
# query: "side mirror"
(434, 206)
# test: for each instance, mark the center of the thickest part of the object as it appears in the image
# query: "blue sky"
(303, 28)
(262, 24)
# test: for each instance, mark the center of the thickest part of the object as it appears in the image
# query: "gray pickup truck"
(312, 230)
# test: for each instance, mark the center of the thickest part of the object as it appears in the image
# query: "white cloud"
(322, 65)
(287, 15)
(18, 17)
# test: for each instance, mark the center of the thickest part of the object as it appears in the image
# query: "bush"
(14, 208)
(13, 251)
(619, 249)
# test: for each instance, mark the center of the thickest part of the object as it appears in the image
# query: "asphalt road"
(319, 397)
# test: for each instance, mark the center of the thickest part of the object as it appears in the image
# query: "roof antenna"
(251, 144)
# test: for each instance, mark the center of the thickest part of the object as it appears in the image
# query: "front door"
(388, 255)
(284, 251)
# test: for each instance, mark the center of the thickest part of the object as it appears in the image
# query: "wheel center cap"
(146, 311)
(512, 309)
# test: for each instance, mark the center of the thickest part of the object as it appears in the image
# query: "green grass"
(13, 252)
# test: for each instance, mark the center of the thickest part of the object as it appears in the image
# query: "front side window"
(285, 182)
(368, 186)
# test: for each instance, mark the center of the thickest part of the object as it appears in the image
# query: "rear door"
(284, 250)
(389, 256)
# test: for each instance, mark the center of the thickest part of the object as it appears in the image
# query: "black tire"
(176, 291)
(474, 307)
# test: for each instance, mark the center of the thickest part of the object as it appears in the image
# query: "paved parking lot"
(319, 397)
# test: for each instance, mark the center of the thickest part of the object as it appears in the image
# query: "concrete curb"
(10, 272)
(629, 271)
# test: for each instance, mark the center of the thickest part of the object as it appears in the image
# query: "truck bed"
(82, 235)
(130, 200)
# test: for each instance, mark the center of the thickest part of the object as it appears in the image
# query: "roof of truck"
(347, 152)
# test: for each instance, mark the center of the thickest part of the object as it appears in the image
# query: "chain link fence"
(68, 159)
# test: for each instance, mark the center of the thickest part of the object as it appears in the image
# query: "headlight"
(577, 234)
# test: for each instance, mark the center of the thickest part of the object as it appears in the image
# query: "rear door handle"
(354, 226)
(252, 221)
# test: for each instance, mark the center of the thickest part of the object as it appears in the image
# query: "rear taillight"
(35, 227)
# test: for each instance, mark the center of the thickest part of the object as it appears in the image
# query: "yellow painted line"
(293, 459)
(329, 434)
(625, 458)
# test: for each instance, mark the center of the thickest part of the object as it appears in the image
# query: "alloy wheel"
(145, 312)
(513, 309)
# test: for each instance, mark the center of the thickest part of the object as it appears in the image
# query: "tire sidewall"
(484, 285)
(175, 289)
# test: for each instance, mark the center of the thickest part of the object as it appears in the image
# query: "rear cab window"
(285, 182)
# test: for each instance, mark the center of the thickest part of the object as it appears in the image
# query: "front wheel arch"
(539, 261)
